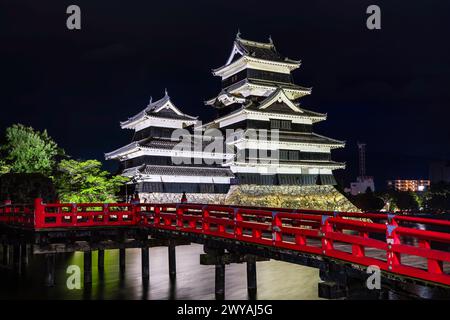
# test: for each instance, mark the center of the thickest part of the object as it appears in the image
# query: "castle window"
(280, 124)
(293, 155)
(275, 124)
(284, 155)
(286, 124)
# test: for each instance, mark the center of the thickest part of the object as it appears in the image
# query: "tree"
(85, 181)
(405, 200)
(4, 168)
(25, 187)
(29, 151)
(438, 197)
(368, 201)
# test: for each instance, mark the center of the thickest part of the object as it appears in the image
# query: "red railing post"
(392, 239)
(434, 266)
(205, 217)
(74, 212)
(106, 214)
(142, 216)
(325, 227)
(179, 221)
(276, 228)
(135, 210)
(157, 217)
(300, 239)
(39, 213)
(357, 249)
(237, 218)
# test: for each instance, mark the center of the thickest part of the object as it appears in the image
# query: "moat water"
(276, 280)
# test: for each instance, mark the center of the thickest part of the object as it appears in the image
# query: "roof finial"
(165, 92)
(238, 34)
(151, 99)
(270, 39)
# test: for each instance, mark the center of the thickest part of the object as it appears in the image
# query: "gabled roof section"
(258, 50)
(294, 90)
(163, 107)
(225, 98)
(278, 97)
(255, 49)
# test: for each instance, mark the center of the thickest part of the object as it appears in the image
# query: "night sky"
(389, 88)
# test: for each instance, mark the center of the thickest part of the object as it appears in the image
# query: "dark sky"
(389, 88)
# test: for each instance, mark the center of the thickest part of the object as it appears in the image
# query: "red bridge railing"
(394, 243)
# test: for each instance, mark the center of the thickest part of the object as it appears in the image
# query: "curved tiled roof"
(261, 50)
(186, 171)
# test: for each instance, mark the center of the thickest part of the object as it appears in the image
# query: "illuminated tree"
(28, 151)
(85, 181)
(4, 168)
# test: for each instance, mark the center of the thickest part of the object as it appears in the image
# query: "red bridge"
(410, 251)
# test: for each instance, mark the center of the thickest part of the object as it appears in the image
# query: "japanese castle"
(258, 93)
(158, 168)
(268, 137)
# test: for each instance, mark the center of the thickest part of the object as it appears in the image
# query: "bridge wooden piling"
(10, 255)
(101, 260)
(50, 269)
(87, 267)
(17, 263)
(24, 255)
(122, 261)
(172, 260)
(220, 281)
(145, 262)
(5, 255)
(251, 277)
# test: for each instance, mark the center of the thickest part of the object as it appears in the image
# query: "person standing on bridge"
(183, 197)
(135, 199)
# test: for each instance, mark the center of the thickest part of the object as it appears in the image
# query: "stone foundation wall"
(158, 197)
(319, 197)
(298, 197)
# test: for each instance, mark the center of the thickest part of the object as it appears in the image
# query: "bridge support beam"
(50, 269)
(341, 281)
(5, 255)
(172, 261)
(220, 281)
(122, 261)
(331, 290)
(10, 255)
(87, 267)
(251, 277)
(145, 262)
(24, 255)
(17, 255)
(101, 260)
(218, 258)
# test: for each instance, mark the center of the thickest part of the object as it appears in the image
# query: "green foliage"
(85, 181)
(406, 201)
(4, 168)
(25, 187)
(33, 157)
(368, 201)
(28, 151)
(403, 200)
(438, 197)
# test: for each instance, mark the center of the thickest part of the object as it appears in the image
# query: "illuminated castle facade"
(270, 146)
(259, 97)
